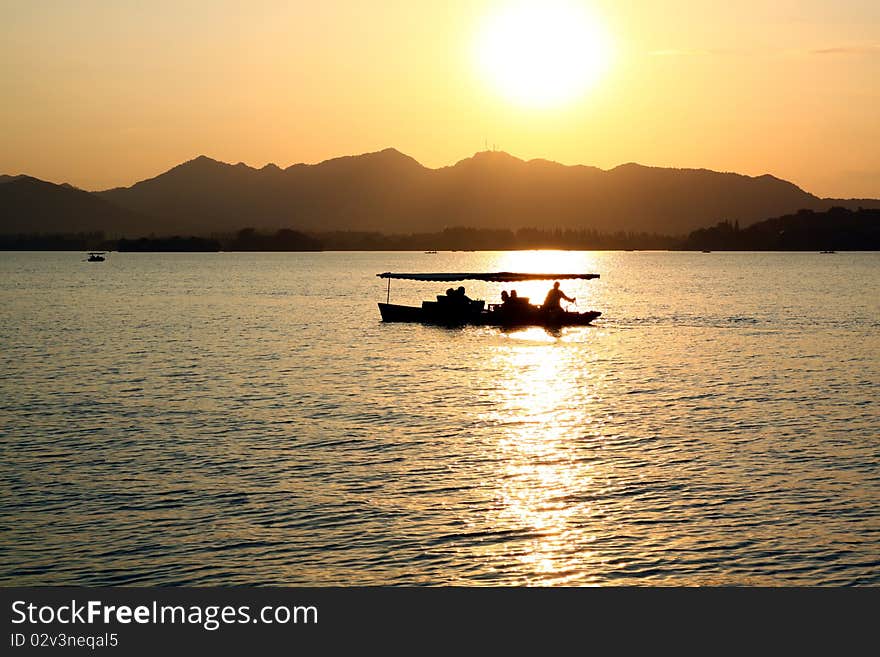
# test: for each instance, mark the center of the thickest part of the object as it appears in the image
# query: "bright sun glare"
(543, 53)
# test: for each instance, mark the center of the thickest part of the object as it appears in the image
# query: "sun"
(542, 53)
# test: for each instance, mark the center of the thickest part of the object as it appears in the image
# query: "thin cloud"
(869, 49)
(872, 49)
(691, 52)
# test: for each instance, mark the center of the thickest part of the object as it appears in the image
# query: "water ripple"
(214, 420)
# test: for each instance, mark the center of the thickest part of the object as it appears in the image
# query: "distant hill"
(32, 206)
(837, 229)
(391, 192)
(373, 190)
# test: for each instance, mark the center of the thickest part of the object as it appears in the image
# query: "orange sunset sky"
(105, 93)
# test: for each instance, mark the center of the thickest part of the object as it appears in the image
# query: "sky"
(105, 93)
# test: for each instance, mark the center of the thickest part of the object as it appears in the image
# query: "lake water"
(211, 419)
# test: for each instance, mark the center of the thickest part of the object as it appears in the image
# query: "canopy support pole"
(388, 295)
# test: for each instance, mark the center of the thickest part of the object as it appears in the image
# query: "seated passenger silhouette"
(517, 301)
(554, 296)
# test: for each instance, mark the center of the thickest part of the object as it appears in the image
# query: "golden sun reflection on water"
(543, 414)
(545, 261)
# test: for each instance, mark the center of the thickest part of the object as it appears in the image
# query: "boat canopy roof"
(492, 277)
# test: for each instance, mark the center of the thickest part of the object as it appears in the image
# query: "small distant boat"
(430, 252)
(452, 310)
(706, 251)
(827, 251)
(96, 256)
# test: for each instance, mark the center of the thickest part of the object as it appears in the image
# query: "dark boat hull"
(393, 313)
(532, 316)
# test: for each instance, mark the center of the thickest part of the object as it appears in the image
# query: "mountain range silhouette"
(391, 192)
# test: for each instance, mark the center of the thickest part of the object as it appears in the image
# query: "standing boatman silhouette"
(554, 296)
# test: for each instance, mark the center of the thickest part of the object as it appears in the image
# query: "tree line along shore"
(838, 229)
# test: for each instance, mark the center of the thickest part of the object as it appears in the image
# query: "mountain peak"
(200, 163)
(23, 177)
(391, 151)
(203, 159)
(388, 157)
(489, 158)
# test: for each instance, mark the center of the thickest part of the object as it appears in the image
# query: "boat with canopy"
(456, 309)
